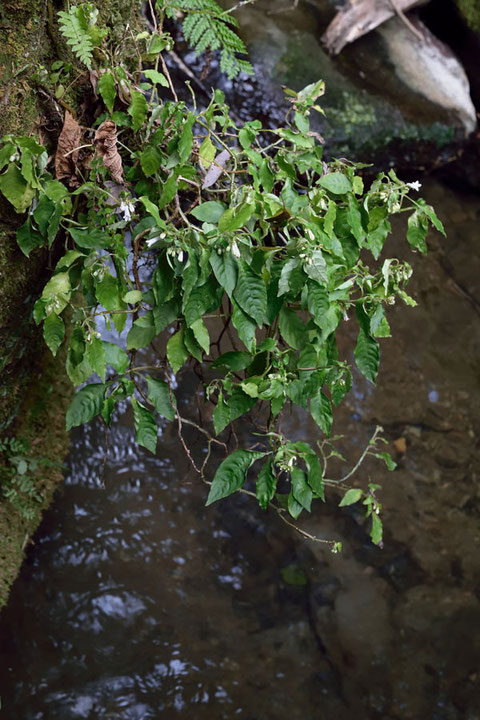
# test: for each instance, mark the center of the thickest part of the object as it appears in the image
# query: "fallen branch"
(360, 17)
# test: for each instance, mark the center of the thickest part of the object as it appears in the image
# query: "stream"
(137, 602)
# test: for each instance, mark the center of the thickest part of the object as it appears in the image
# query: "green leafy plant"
(257, 250)
(208, 27)
(17, 471)
(78, 27)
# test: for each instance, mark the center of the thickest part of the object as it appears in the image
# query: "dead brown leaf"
(106, 148)
(66, 157)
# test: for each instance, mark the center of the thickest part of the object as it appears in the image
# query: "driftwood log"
(359, 17)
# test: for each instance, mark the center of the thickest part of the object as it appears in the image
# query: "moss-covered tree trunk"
(30, 41)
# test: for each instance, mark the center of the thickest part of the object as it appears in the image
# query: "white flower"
(235, 249)
(180, 256)
(126, 208)
(415, 185)
(152, 241)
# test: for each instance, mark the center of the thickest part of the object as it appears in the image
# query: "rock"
(429, 68)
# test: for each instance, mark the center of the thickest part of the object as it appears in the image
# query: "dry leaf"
(106, 147)
(66, 157)
(93, 75)
(400, 445)
(216, 169)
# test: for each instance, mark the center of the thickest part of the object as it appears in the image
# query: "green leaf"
(96, 357)
(201, 300)
(221, 415)
(138, 110)
(15, 188)
(266, 484)
(235, 218)
(315, 475)
(206, 153)
(210, 211)
(321, 411)
(430, 213)
(159, 395)
(28, 238)
(233, 361)
(107, 89)
(59, 284)
(367, 355)
(351, 497)
(385, 456)
(417, 231)
(90, 238)
(225, 269)
(336, 183)
(115, 356)
(165, 314)
(150, 160)
(53, 332)
(244, 326)
(133, 297)
(239, 403)
(292, 328)
(87, 403)
(169, 191)
(177, 353)
(294, 507)
(231, 474)
(317, 267)
(300, 489)
(107, 292)
(376, 532)
(251, 293)
(354, 217)
(156, 77)
(146, 430)
(142, 332)
(185, 144)
(201, 334)
(151, 208)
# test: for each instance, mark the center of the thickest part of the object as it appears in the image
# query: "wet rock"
(429, 68)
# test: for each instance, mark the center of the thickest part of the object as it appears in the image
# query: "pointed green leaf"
(185, 144)
(150, 160)
(321, 411)
(233, 360)
(146, 430)
(53, 332)
(376, 532)
(292, 328)
(87, 403)
(417, 231)
(221, 415)
(300, 489)
(115, 356)
(251, 293)
(231, 474)
(177, 353)
(156, 77)
(142, 332)
(107, 89)
(15, 188)
(225, 269)
(367, 355)
(336, 183)
(266, 484)
(244, 326)
(138, 110)
(159, 395)
(201, 334)
(351, 497)
(96, 357)
(210, 211)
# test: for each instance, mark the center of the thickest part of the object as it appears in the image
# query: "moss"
(41, 422)
(470, 11)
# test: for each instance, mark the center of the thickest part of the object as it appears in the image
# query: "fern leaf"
(75, 29)
(206, 26)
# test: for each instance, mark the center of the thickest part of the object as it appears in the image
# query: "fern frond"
(206, 26)
(78, 28)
